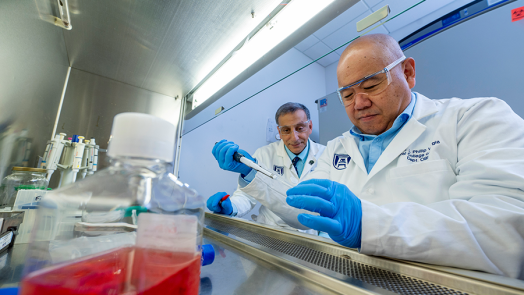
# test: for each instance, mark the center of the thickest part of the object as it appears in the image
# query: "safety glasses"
(300, 128)
(370, 85)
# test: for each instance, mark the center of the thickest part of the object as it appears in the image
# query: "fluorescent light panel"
(287, 21)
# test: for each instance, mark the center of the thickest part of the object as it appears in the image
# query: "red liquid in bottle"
(164, 272)
(152, 272)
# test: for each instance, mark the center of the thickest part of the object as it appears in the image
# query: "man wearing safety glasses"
(435, 181)
(292, 158)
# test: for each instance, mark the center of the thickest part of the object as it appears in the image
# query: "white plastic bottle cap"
(142, 135)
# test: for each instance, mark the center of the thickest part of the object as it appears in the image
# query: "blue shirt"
(302, 156)
(372, 146)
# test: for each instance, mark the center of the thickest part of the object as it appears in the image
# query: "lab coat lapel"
(285, 158)
(407, 135)
(351, 147)
(311, 159)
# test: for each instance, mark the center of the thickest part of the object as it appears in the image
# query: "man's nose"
(362, 101)
(294, 135)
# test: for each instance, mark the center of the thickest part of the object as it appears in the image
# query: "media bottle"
(131, 228)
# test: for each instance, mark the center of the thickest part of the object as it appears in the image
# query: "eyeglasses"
(299, 128)
(373, 84)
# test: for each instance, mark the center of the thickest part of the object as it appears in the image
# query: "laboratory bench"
(254, 259)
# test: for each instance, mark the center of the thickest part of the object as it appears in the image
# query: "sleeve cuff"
(371, 221)
(244, 181)
(235, 210)
(324, 235)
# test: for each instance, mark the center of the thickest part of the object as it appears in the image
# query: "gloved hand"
(340, 210)
(223, 152)
(213, 204)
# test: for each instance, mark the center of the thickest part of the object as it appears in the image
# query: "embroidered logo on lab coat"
(340, 161)
(279, 169)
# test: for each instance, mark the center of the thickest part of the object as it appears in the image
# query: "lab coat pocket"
(426, 182)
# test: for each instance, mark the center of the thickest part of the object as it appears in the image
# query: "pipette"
(242, 159)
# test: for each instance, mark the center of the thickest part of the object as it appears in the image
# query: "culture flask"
(131, 228)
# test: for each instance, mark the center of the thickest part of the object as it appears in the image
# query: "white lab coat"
(274, 158)
(448, 190)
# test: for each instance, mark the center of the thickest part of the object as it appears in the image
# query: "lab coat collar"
(351, 147)
(285, 158)
(424, 107)
(407, 135)
(311, 159)
(313, 149)
(404, 138)
(312, 156)
(281, 152)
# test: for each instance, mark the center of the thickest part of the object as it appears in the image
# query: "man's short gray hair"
(291, 107)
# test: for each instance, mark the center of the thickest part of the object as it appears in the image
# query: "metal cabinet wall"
(33, 68)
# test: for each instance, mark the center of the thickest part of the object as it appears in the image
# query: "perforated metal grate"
(397, 283)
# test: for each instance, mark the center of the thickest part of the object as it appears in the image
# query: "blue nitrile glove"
(223, 152)
(213, 204)
(340, 210)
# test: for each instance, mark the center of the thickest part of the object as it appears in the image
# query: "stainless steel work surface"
(234, 272)
(341, 269)
(11, 265)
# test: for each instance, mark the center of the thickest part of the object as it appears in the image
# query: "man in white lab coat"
(434, 181)
(293, 158)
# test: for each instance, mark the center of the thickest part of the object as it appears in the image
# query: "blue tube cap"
(9, 291)
(208, 254)
(75, 138)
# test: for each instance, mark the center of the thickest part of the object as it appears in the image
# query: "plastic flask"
(131, 228)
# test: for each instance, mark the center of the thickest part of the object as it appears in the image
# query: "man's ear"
(409, 71)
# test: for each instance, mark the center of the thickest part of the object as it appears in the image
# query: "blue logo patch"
(341, 161)
(323, 102)
(279, 169)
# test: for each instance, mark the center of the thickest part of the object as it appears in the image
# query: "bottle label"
(176, 233)
(6, 240)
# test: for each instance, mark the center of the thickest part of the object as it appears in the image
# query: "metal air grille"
(388, 280)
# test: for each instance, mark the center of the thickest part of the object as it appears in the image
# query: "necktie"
(295, 161)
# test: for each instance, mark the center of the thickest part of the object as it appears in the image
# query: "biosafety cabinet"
(220, 69)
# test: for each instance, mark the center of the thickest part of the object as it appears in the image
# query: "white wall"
(245, 124)
(331, 78)
(476, 58)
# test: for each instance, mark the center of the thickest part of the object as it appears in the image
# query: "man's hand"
(340, 210)
(224, 151)
(213, 204)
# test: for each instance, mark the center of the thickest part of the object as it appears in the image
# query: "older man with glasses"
(436, 181)
(293, 158)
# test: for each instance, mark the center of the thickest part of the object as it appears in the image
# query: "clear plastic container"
(131, 228)
(22, 178)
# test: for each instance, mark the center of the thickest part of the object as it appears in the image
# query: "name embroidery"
(419, 155)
